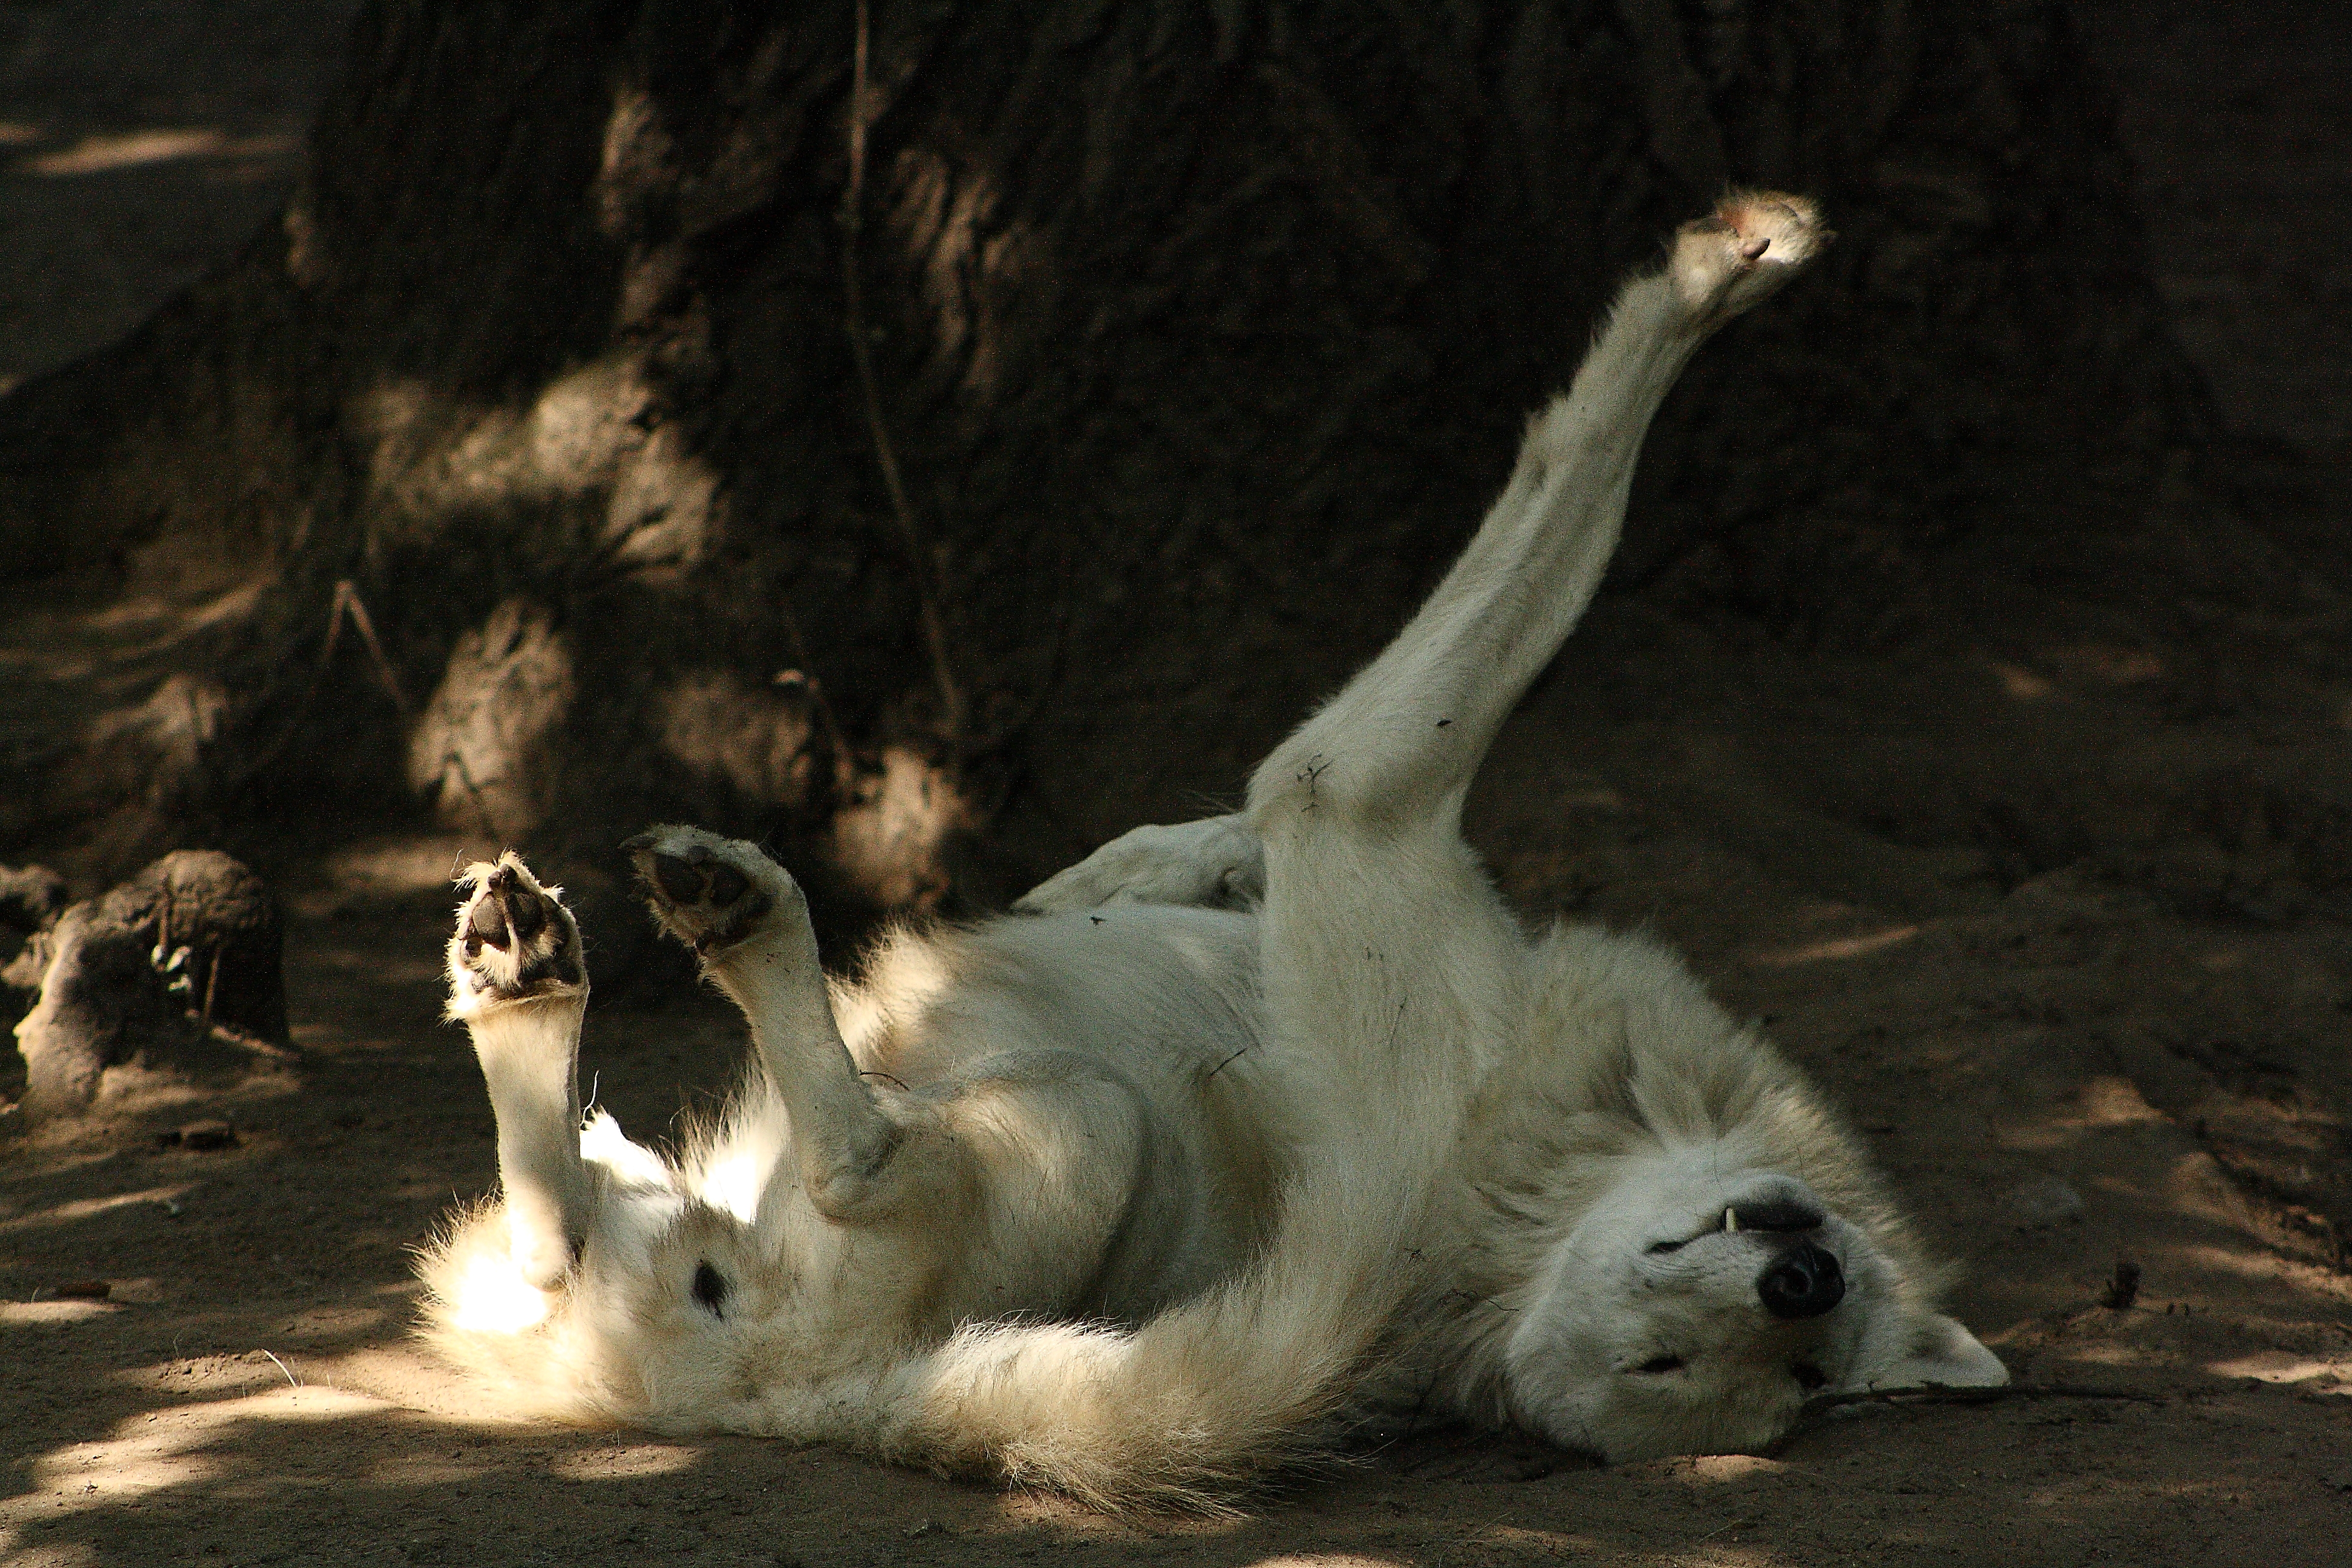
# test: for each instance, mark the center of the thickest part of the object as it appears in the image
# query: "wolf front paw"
(515, 940)
(1750, 245)
(1213, 864)
(708, 892)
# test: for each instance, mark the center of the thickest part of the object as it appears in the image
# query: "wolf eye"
(1658, 1363)
(1809, 1377)
(1656, 1246)
(709, 1288)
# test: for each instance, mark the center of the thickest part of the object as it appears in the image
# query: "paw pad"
(514, 940)
(706, 892)
(694, 876)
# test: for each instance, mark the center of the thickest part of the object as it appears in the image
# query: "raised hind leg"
(1381, 932)
(1393, 755)
(516, 983)
(994, 1192)
(1400, 742)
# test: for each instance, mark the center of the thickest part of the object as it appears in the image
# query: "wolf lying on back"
(1120, 1196)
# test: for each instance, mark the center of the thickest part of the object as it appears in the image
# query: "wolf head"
(1693, 1308)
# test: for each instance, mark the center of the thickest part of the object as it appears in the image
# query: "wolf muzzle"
(1803, 1282)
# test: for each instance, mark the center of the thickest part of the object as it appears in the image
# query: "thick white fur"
(1120, 1196)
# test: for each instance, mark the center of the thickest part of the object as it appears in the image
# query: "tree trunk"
(1025, 440)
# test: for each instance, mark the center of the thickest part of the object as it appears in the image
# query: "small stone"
(205, 1135)
(2122, 1287)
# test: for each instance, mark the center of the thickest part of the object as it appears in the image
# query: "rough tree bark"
(1189, 336)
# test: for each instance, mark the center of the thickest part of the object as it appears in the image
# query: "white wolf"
(1121, 1196)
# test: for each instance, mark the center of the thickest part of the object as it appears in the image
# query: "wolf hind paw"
(515, 942)
(1751, 244)
(708, 892)
(1217, 863)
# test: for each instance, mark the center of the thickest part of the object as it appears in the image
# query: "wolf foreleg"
(748, 921)
(516, 983)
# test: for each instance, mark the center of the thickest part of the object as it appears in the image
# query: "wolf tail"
(1180, 1415)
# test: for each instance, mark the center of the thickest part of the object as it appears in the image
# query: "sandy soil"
(2059, 902)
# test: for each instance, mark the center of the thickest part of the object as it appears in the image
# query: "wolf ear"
(1928, 1347)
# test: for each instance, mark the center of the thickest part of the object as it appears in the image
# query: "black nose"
(1803, 1282)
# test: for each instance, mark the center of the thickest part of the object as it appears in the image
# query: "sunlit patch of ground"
(104, 154)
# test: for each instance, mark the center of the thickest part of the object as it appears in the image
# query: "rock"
(101, 1000)
(148, 971)
(202, 1136)
(2122, 1287)
(228, 920)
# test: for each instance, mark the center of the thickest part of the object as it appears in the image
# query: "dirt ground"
(2057, 901)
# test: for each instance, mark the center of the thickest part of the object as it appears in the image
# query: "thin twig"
(347, 599)
(1937, 1395)
(853, 225)
(293, 1380)
(817, 700)
(1934, 1394)
(346, 603)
